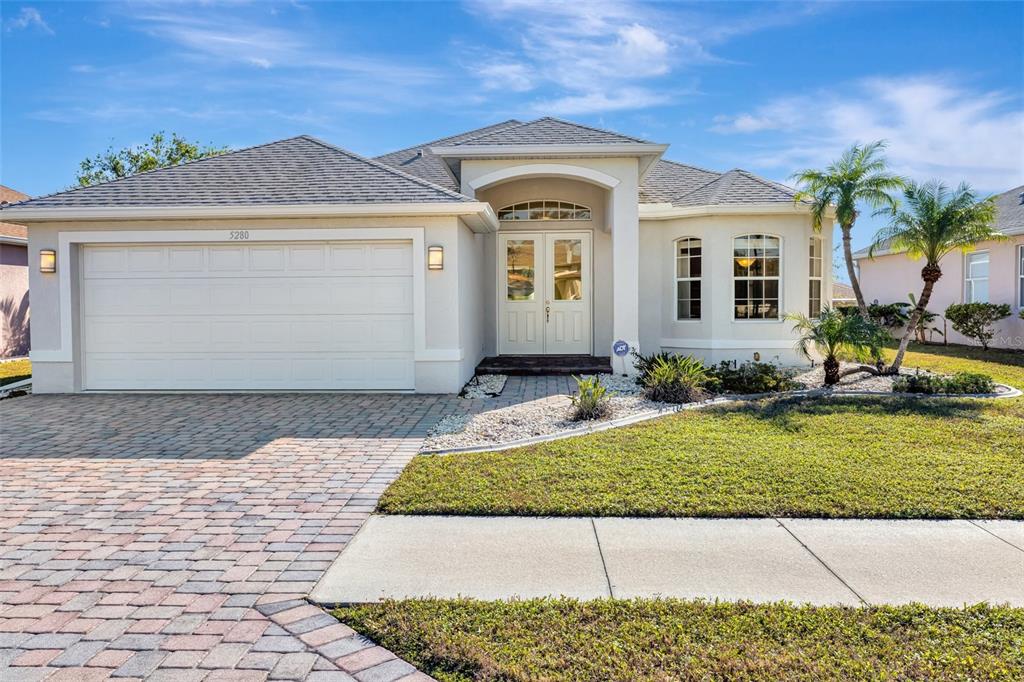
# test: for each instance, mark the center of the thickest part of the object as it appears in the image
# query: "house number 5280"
(239, 234)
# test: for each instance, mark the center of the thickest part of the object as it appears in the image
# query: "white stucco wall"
(888, 279)
(440, 365)
(717, 335)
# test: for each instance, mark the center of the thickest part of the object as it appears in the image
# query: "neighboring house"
(991, 273)
(14, 335)
(842, 295)
(299, 265)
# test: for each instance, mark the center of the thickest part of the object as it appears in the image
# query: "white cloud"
(509, 76)
(935, 126)
(29, 17)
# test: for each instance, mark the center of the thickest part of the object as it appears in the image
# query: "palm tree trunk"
(851, 271)
(930, 274)
(831, 366)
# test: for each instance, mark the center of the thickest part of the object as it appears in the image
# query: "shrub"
(750, 377)
(932, 384)
(890, 315)
(645, 363)
(590, 400)
(977, 320)
(675, 379)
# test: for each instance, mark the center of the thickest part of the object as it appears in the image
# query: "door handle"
(547, 313)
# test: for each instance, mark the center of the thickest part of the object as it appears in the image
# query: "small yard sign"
(620, 348)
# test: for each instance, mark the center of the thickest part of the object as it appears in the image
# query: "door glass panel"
(519, 269)
(568, 270)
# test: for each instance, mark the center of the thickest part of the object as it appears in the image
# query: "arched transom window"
(688, 274)
(756, 264)
(546, 209)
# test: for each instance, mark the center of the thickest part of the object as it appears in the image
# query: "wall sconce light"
(435, 258)
(47, 260)
(745, 262)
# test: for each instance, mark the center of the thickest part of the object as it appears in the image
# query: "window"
(688, 273)
(976, 278)
(814, 287)
(1020, 273)
(519, 270)
(756, 263)
(544, 210)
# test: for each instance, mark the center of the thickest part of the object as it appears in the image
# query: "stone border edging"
(723, 400)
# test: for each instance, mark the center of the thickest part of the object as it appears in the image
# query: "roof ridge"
(690, 165)
(697, 189)
(70, 190)
(448, 137)
(594, 128)
(491, 132)
(766, 182)
(385, 167)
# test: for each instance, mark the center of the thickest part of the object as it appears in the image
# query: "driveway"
(175, 536)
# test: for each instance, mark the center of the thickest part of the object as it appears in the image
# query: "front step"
(539, 365)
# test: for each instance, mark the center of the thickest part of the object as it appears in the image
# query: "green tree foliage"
(159, 152)
(977, 320)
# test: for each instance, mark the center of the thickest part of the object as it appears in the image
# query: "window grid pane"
(547, 209)
(756, 272)
(1021, 273)
(976, 278)
(688, 273)
(814, 270)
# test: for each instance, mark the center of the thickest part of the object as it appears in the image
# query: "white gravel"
(815, 378)
(484, 385)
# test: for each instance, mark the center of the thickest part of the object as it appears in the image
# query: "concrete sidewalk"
(942, 563)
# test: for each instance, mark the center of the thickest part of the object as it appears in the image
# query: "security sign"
(620, 348)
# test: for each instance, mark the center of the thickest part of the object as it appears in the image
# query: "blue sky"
(767, 87)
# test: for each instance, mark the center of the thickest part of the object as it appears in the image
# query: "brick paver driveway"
(173, 536)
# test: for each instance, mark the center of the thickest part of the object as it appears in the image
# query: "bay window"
(756, 277)
(688, 278)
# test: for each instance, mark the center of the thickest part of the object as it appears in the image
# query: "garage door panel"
(269, 316)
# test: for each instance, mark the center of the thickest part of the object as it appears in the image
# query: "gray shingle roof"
(418, 160)
(669, 179)
(736, 187)
(298, 170)
(1010, 211)
(549, 130)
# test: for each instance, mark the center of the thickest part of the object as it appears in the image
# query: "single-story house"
(842, 295)
(300, 265)
(993, 272)
(14, 333)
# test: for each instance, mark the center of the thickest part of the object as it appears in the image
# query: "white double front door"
(544, 293)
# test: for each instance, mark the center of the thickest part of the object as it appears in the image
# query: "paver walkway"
(942, 563)
(173, 537)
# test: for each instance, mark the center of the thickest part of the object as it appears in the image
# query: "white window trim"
(967, 272)
(511, 207)
(820, 278)
(1020, 276)
(677, 279)
(732, 294)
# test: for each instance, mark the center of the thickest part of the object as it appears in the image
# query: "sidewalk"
(941, 563)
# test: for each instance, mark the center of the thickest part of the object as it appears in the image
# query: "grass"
(645, 640)
(14, 370)
(842, 457)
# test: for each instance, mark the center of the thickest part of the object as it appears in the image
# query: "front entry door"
(544, 294)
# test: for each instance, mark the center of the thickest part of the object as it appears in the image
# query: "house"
(993, 272)
(842, 295)
(14, 336)
(300, 265)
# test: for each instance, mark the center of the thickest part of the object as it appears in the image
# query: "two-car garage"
(324, 315)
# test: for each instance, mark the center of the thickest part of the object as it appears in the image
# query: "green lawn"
(660, 640)
(844, 457)
(14, 370)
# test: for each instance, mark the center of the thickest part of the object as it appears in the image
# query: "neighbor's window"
(1020, 252)
(976, 278)
(814, 287)
(688, 273)
(544, 210)
(756, 265)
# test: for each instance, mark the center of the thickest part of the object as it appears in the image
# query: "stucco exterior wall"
(562, 189)
(13, 293)
(717, 335)
(889, 278)
(441, 369)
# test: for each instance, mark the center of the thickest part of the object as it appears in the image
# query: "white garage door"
(308, 315)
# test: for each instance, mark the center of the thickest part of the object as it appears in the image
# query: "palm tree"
(859, 176)
(936, 222)
(834, 333)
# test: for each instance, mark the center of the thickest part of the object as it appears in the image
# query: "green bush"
(977, 320)
(675, 379)
(750, 377)
(932, 384)
(590, 400)
(645, 363)
(889, 315)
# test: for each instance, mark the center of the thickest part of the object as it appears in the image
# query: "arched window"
(814, 268)
(688, 276)
(756, 265)
(546, 209)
